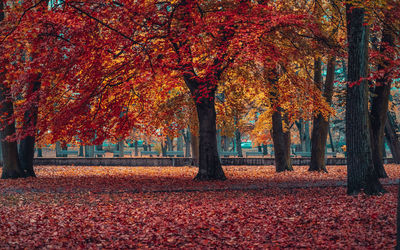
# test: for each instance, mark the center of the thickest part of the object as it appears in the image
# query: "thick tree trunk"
(11, 165)
(281, 141)
(209, 163)
(379, 109)
(27, 145)
(320, 124)
(361, 174)
(398, 218)
(392, 138)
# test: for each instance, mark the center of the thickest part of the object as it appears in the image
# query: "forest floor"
(162, 207)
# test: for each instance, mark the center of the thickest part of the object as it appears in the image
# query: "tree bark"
(80, 151)
(179, 143)
(27, 145)
(170, 145)
(304, 133)
(379, 109)
(209, 163)
(392, 138)
(99, 148)
(39, 152)
(11, 165)
(238, 138)
(187, 138)
(89, 151)
(120, 148)
(398, 218)
(136, 148)
(320, 124)
(195, 148)
(361, 174)
(281, 141)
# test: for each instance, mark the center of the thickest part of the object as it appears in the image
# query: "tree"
(321, 123)
(361, 172)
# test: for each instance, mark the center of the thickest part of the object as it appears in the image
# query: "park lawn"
(128, 207)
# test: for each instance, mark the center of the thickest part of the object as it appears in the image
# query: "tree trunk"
(58, 149)
(27, 145)
(209, 163)
(361, 174)
(187, 139)
(392, 139)
(281, 141)
(320, 124)
(120, 148)
(164, 149)
(80, 151)
(304, 133)
(170, 145)
(99, 148)
(195, 148)
(238, 139)
(179, 143)
(264, 149)
(398, 218)
(136, 148)
(11, 165)
(379, 109)
(89, 151)
(39, 152)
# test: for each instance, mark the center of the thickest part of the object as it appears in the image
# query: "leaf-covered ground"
(122, 207)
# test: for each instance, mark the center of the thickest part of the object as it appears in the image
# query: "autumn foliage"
(123, 207)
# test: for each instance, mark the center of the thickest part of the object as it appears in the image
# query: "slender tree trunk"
(136, 148)
(99, 148)
(321, 124)
(392, 138)
(304, 133)
(379, 109)
(164, 148)
(281, 141)
(187, 139)
(170, 145)
(361, 174)
(195, 148)
(264, 149)
(89, 151)
(80, 151)
(238, 139)
(179, 143)
(11, 165)
(39, 152)
(27, 145)
(120, 148)
(58, 149)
